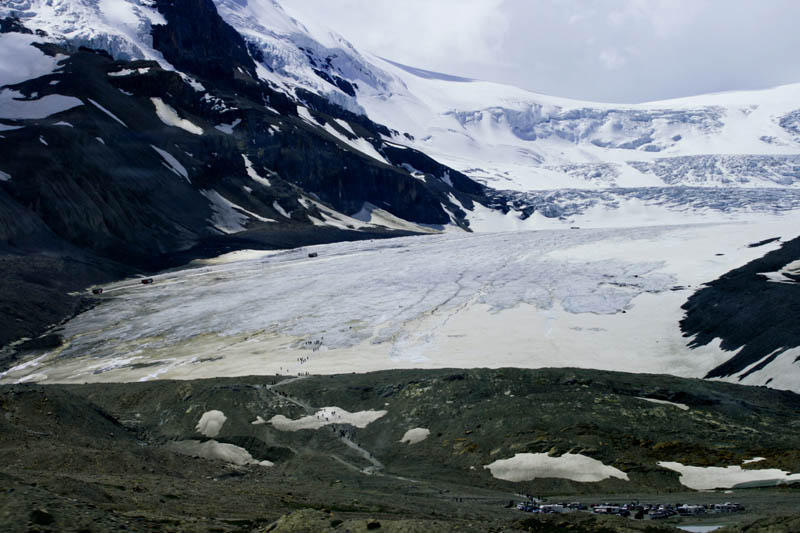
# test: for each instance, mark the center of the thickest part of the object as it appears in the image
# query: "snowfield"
(591, 298)
(577, 467)
(716, 477)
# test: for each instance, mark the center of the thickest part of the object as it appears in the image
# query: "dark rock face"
(748, 312)
(12, 25)
(197, 40)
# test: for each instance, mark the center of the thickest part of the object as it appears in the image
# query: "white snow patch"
(171, 163)
(717, 477)
(577, 467)
(359, 144)
(14, 106)
(327, 416)
(415, 435)
(305, 114)
(230, 453)
(682, 406)
(42, 140)
(20, 61)
(4, 176)
(446, 178)
(373, 215)
(782, 275)
(754, 460)
(228, 128)
(193, 83)
(128, 72)
(258, 421)
(170, 117)
(485, 220)
(345, 125)
(100, 140)
(229, 217)
(106, 111)
(225, 218)
(6, 127)
(413, 171)
(253, 174)
(331, 217)
(279, 209)
(211, 423)
(62, 123)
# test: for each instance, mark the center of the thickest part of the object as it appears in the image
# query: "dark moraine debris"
(747, 311)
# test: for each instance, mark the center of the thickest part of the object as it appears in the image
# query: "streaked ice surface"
(602, 298)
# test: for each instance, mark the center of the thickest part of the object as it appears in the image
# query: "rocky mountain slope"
(121, 155)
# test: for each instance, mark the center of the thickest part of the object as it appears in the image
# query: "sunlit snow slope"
(516, 139)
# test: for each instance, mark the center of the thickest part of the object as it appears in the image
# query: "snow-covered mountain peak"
(304, 54)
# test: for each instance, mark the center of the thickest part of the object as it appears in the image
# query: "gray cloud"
(616, 51)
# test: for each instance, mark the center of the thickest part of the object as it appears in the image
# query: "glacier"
(569, 298)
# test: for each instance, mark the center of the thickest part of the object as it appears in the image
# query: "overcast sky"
(603, 50)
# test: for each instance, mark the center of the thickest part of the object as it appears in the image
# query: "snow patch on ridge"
(170, 117)
(227, 217)
(107, 112)
(253, 174)
(171, 163)
(228, 128)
